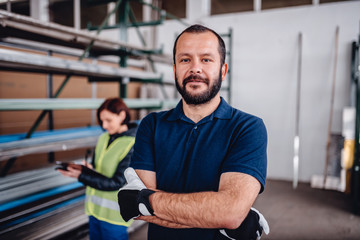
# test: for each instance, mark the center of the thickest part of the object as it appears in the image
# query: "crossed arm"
(226, 208)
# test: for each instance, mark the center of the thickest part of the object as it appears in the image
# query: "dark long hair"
(114, 105)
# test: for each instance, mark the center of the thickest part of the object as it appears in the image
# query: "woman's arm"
(98, 181)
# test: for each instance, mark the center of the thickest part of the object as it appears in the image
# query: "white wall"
(265, 74)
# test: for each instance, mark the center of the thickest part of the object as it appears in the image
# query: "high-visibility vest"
(103, 205)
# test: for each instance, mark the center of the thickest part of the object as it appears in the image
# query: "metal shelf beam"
(19, 26)
(21, 61)
(77, 103)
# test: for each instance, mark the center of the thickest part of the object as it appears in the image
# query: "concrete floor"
(301, 214)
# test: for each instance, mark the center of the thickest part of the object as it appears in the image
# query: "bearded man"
(200, 166)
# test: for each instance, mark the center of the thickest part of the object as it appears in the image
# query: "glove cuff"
(144, 203)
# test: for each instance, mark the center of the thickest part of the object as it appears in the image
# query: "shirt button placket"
(193, 135)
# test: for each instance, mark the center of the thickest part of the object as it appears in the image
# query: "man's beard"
(202, 98)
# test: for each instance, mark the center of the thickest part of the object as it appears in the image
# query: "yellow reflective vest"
(103, 205)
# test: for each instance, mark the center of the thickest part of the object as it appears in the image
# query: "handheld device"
(64, 165)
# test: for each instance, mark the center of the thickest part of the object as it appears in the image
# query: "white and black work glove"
(133, 197)
(250, 229)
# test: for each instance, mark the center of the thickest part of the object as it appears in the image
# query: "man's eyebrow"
(182, 54)
(206, 54)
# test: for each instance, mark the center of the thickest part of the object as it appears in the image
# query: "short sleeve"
(247, 152)
(143, 156)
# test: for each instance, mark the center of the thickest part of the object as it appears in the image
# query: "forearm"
(162, 222)
(98, 181)
(199, 210)
(226, 208)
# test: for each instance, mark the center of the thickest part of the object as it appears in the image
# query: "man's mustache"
(196, 77)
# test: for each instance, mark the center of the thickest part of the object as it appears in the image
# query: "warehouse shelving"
(355, 75)
(14, 27)
(23, 27)
(29, 45)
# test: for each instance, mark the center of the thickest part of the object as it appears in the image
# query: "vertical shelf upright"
(229, 61)
(355, 75)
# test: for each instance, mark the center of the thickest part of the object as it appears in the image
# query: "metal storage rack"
(16, 27)
(355, 77)
(21, 32)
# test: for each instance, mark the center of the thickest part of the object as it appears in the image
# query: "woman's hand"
(71, 172)
(88, 165)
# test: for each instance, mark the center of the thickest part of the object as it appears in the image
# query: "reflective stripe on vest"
(102, 202)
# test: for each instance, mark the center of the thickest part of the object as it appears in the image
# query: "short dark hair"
(114, 105)
(197, 28)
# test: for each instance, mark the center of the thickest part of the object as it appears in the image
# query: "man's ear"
(224, 70)
(174, 68)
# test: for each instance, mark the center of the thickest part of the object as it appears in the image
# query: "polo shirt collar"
(224, 111)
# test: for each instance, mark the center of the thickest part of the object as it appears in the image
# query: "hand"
(72, 170)
(86, 164)
(250, 229)
(133, 197)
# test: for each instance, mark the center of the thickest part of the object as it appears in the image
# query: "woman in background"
(105, 175)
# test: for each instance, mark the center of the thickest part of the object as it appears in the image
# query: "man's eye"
(206, 60)
(184, 60)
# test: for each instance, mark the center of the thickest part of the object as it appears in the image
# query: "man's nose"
(195, 67)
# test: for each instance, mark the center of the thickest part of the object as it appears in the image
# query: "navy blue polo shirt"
(190, 157)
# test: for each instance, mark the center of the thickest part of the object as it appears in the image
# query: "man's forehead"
(197, 35)
(205, 41)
